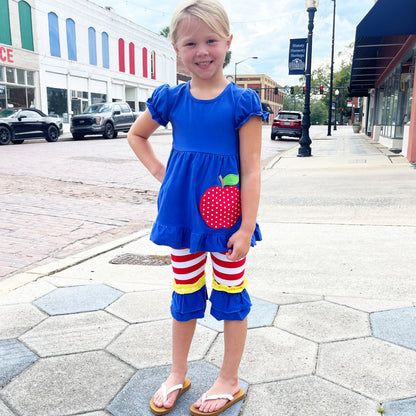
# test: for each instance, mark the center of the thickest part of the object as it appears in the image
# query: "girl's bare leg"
(182, 334)
(235, 333)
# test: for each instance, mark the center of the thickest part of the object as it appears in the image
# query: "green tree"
(227, 59)
(165, 31)
(295, 101)
(319, 112)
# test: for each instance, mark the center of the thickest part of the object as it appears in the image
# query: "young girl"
(209, 196)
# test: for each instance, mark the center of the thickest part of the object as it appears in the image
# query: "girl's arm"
(137, 138)
(250, 148)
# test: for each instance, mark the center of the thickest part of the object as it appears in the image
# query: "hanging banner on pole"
(297, 56)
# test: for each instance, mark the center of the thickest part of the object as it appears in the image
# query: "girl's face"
(201, 49)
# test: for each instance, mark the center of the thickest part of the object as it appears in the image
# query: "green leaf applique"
(230, 179)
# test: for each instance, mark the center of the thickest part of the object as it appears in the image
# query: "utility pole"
(332, 73)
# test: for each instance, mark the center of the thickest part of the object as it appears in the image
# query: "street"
(61, 198)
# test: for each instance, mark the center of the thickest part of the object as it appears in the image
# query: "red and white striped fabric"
(189, 269)
(226, 272)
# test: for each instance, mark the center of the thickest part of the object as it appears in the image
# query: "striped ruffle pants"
(229, 298)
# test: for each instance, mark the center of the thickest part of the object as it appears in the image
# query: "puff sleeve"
(249, 105)
(158, 104)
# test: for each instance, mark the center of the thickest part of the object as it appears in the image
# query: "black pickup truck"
(105, 119)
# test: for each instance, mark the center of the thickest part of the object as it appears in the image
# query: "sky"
(263, 28)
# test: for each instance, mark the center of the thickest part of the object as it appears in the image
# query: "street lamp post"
(332, 73)
(235, 67)
(336, 105)
(305, 141)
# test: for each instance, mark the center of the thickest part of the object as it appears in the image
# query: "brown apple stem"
(222, 181)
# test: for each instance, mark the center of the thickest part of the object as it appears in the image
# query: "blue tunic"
(195, 209)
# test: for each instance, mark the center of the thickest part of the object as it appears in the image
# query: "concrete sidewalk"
(333, 325)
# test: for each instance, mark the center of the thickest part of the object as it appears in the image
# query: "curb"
(159, 131)
(21, 279)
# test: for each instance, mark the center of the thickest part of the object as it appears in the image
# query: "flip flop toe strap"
(165, 393)
(217, 396)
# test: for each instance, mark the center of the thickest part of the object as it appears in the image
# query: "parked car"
(287, 123)
(105, 119)
(20, 124)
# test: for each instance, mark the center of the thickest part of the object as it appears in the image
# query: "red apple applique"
(220, 205)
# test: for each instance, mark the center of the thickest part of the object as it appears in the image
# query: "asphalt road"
(60, 198)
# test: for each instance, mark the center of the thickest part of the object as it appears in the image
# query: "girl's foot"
(220, 387)
(171, 381)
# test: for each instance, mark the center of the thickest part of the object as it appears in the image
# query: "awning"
(379, 38)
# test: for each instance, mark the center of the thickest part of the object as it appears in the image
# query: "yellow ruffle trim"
(185, 289)
(229, 289)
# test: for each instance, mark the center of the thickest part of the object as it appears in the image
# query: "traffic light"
(292, 90)
(304, 90)
(276, 90)
(321, 90)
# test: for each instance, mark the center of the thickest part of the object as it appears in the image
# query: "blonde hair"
(209, 11)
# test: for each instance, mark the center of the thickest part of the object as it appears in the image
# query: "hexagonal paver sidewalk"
(69, 384)
(323, 321)
(14, 358)
(149, 344)
(73, 333)
(370, 366)
(401, 408)
(76, 299)
(135, 397)
(262, 314)
(4, 411)
(397, 326)
(141, 307)
(309, 396)
(17, 319)
(270, 354)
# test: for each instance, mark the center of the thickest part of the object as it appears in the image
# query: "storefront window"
(16, 96)
(79, 102)
(2, 96)
(20, 76)
(58, 103)
(409, 102)
(391, 117)
(30, 78)
(10, 75)
(98, 98)
(30, 93)
(409, 91)
(370, 115)
(13, 95)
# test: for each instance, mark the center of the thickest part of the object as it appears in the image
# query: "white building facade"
(61, 56)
